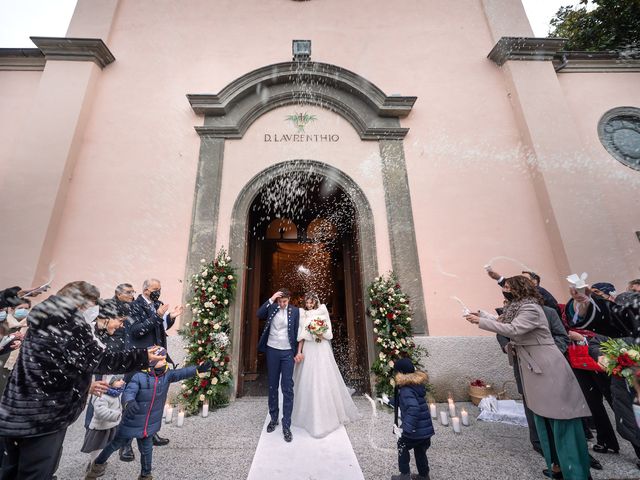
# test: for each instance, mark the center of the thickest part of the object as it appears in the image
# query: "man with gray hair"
(125, 293)
(150, 320)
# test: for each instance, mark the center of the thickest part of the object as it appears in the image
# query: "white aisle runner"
(305, 458)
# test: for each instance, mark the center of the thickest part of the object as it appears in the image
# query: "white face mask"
(91, 313)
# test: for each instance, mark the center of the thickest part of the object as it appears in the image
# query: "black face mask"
(508, 295)
(155, 296)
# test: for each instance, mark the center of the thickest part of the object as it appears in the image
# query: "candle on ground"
(164, 412)
(443, 418)
(452, 408)
(180, 418)
(169, 416)
(205, 409)
(433, 410)
(465, 417)
(455, 422)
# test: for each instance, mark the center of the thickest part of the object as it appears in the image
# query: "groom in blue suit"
(279, 341)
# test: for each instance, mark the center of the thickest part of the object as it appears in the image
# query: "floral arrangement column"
(391, 315)
(208, 335)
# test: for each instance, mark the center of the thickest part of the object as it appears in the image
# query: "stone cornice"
(75, 49)
(525, 48)
(373, 114)
(21, 59)
(307, 73)
(570, 62)
(550, 49)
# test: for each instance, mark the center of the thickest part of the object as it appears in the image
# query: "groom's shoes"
(272, 426)
(287, 434)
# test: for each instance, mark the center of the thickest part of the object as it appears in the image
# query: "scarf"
(115, 392)
(511, 309)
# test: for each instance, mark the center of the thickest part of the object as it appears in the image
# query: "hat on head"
(605, 287)
(115, 378)
(404, 365)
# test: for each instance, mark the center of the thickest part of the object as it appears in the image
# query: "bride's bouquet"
(317, 327)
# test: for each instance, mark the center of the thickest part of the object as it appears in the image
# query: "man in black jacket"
(549, 300)
(124, 296)
(150, 319)
(49, 384)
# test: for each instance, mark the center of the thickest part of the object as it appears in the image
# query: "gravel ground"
(221, 447)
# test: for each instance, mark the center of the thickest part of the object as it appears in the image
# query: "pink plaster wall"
(17, 91)
(590, 96)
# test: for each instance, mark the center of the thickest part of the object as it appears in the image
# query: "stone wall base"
(455, 361)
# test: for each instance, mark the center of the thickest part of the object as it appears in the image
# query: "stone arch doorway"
(374, 115)
(308, 227)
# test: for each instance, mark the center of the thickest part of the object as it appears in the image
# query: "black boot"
(158, 441)
(126, 454)
(272, 426)
(595, 464)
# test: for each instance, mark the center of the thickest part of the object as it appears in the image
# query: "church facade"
(322, 144)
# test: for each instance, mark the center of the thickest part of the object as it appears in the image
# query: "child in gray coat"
(107, 412)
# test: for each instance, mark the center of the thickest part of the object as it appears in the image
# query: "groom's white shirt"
(278, 336)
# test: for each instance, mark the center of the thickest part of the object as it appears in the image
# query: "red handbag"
(579, 358)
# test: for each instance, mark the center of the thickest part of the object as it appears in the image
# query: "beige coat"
(550, 387)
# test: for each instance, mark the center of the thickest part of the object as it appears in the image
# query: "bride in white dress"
(322, 401)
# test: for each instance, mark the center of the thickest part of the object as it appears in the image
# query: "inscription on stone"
(301, 137)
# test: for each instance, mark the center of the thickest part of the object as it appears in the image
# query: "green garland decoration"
(208, 336)
(390, 312)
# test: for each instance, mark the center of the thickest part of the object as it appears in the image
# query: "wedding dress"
(321, 402)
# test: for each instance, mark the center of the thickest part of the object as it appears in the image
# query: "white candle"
(164, 412)
(434, 410)
(452, 408)
(180, 419)
(443, 418)
(205, 410)
(169, 416)
(455, 421)
(465, 417)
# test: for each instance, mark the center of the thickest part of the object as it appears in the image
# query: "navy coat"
(266, 312)
(146, 327)
(150, 391)
(416, 418)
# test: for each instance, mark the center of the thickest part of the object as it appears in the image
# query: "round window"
(619, 132)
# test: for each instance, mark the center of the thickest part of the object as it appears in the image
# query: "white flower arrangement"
(390, 313)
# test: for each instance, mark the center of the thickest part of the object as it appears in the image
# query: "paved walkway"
(222, 447)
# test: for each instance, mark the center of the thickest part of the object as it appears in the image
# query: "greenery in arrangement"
(390, 312)
(209, 333)
(599, 25)
(620, 359)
